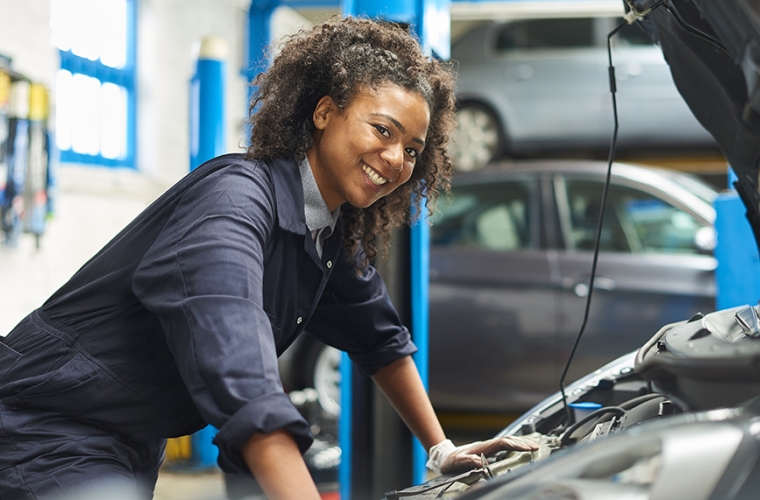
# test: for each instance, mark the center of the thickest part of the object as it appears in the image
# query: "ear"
(322, 112)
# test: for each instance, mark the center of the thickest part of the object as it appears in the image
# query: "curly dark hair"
(340, 58)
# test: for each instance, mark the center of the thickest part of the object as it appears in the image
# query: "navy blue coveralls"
(177, 323)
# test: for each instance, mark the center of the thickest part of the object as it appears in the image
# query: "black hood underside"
(713, 49)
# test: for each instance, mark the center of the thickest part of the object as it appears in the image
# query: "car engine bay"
(700, 370)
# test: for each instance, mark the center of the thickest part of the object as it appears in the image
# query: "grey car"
(509, 268)
(536, 84)
(510, 265)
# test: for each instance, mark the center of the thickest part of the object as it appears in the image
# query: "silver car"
(536, 84)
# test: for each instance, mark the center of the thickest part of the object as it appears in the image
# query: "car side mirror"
(705, 240)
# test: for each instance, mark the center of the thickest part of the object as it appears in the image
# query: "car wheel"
(322, 369)
(477, 138)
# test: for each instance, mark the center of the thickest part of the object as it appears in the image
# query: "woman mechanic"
(178, 321)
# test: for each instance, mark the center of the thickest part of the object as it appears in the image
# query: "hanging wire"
(611, 158)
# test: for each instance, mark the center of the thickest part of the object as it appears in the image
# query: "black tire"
(477, 139)
(321, 370)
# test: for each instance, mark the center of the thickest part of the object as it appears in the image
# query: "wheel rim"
(475, 140)
(327, 379)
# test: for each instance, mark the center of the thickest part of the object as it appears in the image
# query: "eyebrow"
(399, 126)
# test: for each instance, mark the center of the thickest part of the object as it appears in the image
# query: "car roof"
(595, 167)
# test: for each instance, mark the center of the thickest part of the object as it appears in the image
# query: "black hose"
(594, 414)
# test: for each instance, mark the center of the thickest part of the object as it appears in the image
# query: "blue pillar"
(207, 140)
(345, 429)
(430, 21)
(259, 35)
(420, 281)
(737, 277)
(207, 137)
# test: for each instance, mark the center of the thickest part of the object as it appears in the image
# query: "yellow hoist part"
(5, 90)
(178, 449)
(38, 102)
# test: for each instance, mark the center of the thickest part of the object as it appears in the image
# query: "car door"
(492, 298)
(649, 272)
(554, 79)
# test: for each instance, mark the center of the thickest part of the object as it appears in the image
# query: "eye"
(412, 152)
(383, 130)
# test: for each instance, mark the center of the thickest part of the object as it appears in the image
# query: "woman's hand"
(449, 459)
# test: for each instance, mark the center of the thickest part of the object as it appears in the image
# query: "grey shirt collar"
(320, 221)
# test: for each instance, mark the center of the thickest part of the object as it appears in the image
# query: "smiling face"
(369, 148)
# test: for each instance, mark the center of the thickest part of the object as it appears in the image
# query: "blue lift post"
(259, 35)
(737, 277)
(207, 140)
(207, 87)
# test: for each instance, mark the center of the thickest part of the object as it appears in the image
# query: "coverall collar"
(288, 195)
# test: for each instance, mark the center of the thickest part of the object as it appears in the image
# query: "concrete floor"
(207, 485)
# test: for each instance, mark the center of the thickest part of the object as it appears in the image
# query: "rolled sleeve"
(356, 315)
(203, 278)
(266, 414)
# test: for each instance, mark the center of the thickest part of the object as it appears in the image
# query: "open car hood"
(713, 49)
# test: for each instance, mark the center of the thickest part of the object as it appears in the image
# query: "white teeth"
(374, 176)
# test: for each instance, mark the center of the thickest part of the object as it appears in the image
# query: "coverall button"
(299, 320)
(329, 264)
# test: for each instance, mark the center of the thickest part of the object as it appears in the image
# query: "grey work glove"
(445, 458)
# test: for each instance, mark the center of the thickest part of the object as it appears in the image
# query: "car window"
(490, 217)
(545, 34)
(634, 221)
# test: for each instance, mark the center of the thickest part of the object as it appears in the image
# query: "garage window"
(95, 85)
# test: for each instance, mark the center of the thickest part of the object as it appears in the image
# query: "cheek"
(405, 175)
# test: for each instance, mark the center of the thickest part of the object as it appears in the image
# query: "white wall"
(25, 36)
(168, 33)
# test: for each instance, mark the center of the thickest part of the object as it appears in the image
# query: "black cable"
(694, 31)
(610, 159)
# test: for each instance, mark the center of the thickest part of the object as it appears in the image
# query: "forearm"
(277, 464)
(402, 385)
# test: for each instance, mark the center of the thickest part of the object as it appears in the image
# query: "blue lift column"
(259, 35)
(378, 452)
(737, 277)
(207, 138)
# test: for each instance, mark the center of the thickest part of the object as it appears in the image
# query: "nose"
(394, 156)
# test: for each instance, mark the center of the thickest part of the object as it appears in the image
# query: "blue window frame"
(95, 85)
